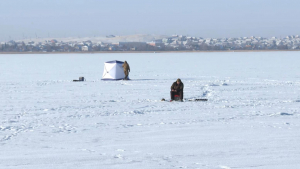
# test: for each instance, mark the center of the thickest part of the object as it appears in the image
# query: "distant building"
(53, 41)
(136, 45)
(85, 48)
(110, 36)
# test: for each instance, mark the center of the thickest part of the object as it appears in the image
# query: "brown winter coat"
(126, 67)
(177, 87)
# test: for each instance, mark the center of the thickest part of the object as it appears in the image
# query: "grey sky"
(205, 18)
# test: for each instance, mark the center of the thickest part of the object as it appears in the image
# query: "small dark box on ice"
(81, 79)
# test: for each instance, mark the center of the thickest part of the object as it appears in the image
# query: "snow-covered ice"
(251, 118)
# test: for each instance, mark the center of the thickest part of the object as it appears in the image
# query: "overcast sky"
(205, 18)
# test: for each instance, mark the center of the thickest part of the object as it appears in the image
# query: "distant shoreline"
(107, 52)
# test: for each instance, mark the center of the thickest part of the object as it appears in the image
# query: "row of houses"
(252, 43)
(175, 42)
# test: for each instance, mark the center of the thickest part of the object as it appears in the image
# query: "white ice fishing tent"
(113, 70)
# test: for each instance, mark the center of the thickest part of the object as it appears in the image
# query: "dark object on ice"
(204, 100)
(81, 79)
(177, 90)
(197, 100)
(190, 100)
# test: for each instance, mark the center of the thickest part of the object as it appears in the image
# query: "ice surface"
(251, 118)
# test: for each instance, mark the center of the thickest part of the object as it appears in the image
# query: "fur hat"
(178, 80)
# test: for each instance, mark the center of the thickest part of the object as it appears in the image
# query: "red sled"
(176, 97)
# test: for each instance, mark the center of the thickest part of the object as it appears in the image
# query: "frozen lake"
(251, 118)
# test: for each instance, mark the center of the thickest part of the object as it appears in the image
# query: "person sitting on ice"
(177, 89)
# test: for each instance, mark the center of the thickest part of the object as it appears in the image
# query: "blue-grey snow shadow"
(141, 79)
(286, 114)
(205, 93)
